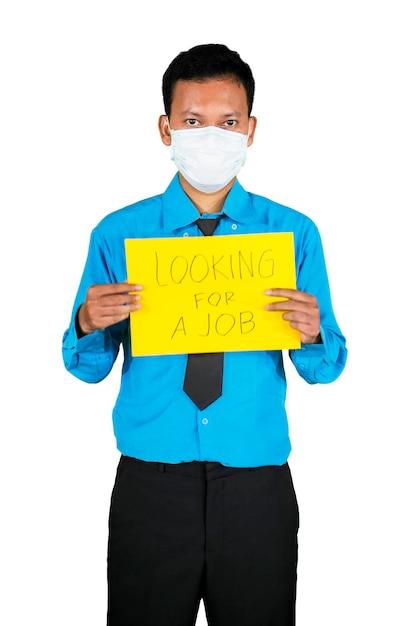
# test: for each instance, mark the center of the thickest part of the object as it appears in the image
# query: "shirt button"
(234, 226)
(204, 421)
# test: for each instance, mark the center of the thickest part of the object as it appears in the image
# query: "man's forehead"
(219, 81)
(225, 86)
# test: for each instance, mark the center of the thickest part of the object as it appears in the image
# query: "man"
(203, 504)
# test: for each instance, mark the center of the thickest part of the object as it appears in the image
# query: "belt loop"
(161, 467)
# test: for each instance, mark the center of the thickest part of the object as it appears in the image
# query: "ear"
(164, 130)
(251, 131)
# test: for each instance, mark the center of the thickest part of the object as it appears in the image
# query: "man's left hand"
(300, 309)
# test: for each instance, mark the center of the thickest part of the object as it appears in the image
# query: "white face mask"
(208, 157)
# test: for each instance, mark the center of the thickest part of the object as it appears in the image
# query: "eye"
(192, 122)
(230, 123)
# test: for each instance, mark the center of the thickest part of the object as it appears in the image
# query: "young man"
(203, 504)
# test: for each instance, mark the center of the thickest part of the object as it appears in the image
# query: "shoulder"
(131, 219)
(279, 215)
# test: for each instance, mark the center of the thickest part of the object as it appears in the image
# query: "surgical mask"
(208, 157)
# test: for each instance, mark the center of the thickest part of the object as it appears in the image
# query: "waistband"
(194, 469)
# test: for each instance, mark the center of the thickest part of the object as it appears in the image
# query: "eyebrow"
(233, 114)
(225, 115)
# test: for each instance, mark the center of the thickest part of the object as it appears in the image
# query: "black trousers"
(179, 533)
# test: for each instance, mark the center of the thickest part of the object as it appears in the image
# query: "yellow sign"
(206, 294)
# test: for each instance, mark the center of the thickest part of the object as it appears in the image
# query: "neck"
(206, 202)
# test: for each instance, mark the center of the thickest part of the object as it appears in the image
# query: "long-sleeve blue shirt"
(153, 418)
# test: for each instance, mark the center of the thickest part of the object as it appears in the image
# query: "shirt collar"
(179, 211)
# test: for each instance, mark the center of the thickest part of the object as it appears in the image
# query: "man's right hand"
(106, 305)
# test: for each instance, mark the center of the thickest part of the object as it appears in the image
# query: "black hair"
(203, 62)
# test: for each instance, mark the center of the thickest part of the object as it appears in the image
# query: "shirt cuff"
(93, 342)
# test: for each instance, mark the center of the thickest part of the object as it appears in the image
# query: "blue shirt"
(153, 418)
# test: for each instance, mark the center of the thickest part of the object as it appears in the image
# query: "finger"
(113, 293)
(291, 305)
(300, 317)
(281, 305)
(308, 333)
(113, 288)
(290, 294)
(121, 311)
(108, 306)
(100, 318)
(123, 299)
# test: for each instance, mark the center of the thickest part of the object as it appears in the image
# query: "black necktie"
(204, 372)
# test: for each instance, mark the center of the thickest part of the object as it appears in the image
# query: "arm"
(323, 352)
(99, 318)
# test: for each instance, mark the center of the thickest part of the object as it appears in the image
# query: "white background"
(336, 139)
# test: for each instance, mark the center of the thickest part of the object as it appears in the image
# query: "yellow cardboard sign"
(206, 294)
